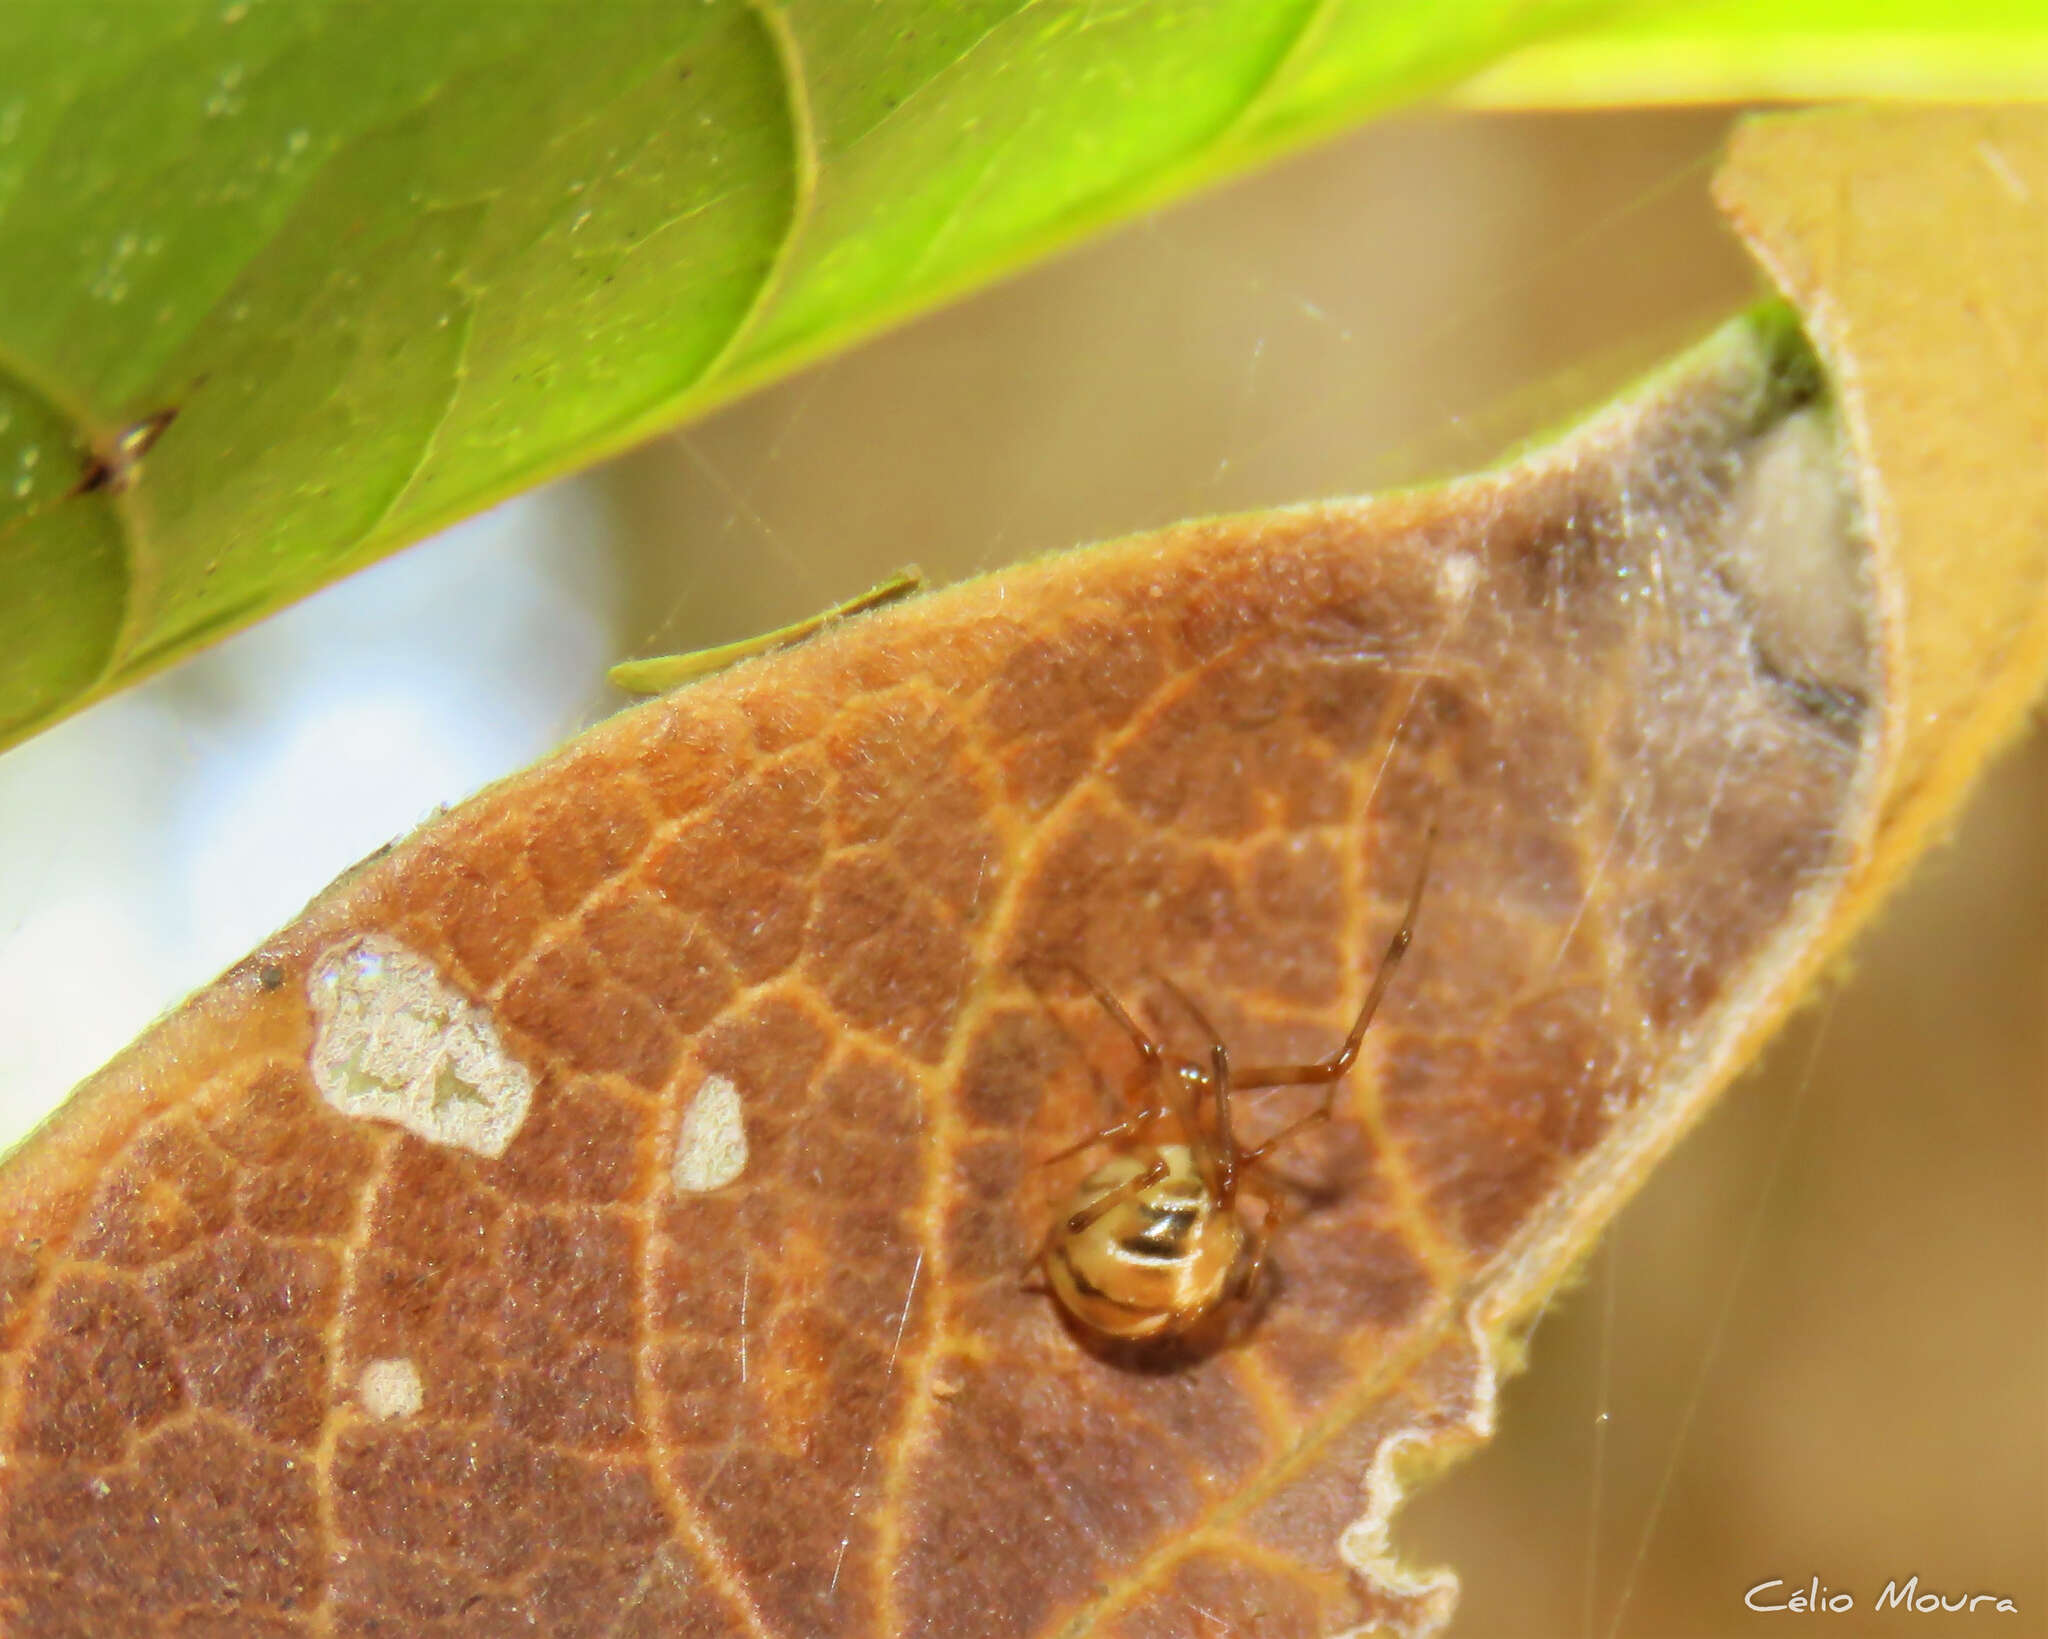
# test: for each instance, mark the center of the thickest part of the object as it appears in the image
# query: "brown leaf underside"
(818, 1400)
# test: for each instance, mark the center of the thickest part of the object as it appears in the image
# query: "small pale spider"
(1153, 1244)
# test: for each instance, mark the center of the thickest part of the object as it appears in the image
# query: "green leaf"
(387, 263)
(383, 264)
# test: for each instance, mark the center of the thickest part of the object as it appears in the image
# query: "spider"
(1153, 1242)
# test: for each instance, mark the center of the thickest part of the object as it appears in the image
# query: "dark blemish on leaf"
(270, 976)
(371, 858)
(112, 468)
(1839, 708)
(1796, 376)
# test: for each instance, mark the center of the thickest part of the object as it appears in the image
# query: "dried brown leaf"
(603, 1214)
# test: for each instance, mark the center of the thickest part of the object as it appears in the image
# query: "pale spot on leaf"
(395, 1042)
(391, 1388)
(711, 1148)
(1457, 574)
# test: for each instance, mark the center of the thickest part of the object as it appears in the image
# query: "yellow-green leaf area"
(1791, 50)
(383, 264)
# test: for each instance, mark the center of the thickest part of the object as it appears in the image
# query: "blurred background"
(1816, 1346)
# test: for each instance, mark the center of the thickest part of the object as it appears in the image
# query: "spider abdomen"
(1158, 1259)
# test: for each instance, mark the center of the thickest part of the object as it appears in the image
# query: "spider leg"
(1222, 1165)
(1153, 1058)
(1187, 1004)
(1109, 1200)
(1278, 1213)
(1328, 1071)
(1219, 1055)
(1130, 1125)
(1149, 1050)
(1035, 1266)
(1320, 1113)
(1257, 1242)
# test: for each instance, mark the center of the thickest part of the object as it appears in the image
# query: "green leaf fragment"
(388, 264)
(661, 673)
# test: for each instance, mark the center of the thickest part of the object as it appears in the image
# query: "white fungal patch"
(390, 1388)
(395, 1042)
(711, 1147)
